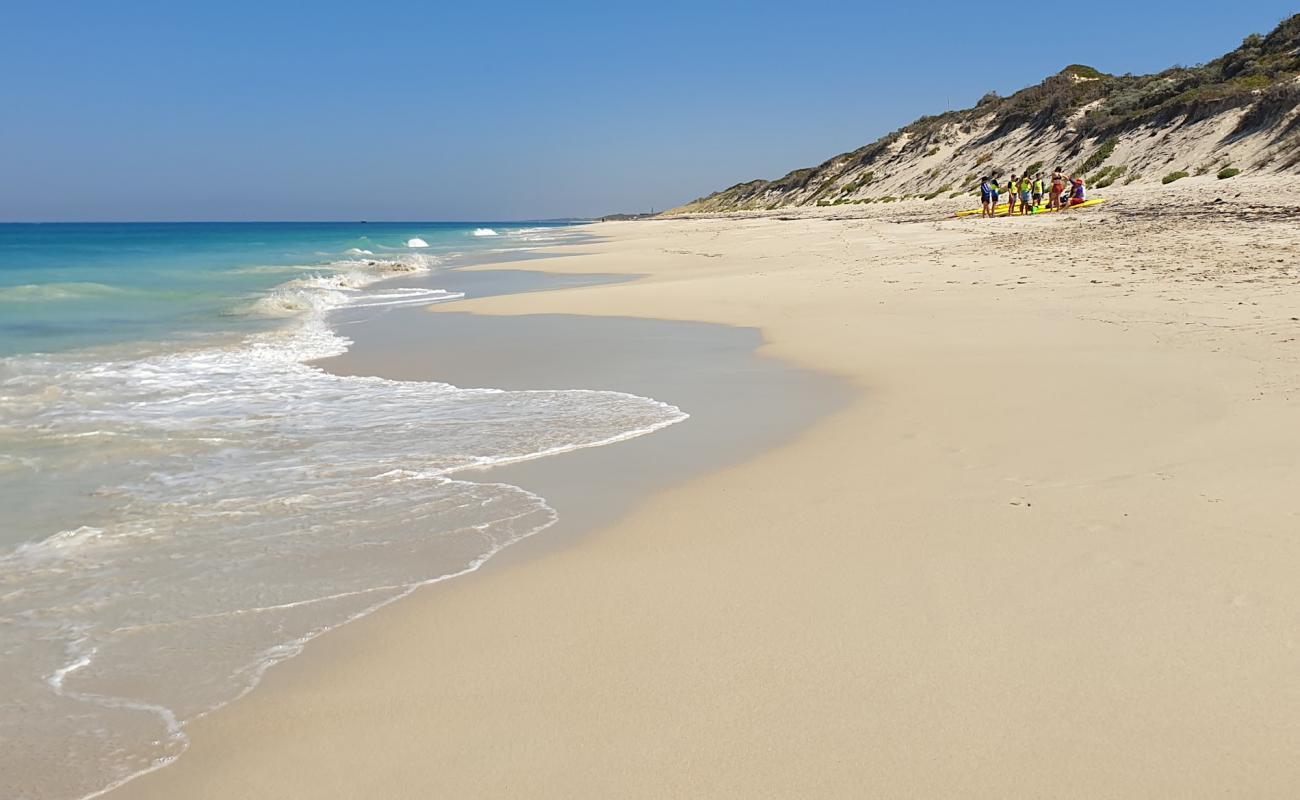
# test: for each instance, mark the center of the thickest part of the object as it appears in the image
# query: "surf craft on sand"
(1030, 194)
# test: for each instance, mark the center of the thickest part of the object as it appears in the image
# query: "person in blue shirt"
(986, 197)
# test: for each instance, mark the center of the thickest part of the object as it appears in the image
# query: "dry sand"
(1048, 548)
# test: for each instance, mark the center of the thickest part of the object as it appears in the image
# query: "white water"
(218, 507)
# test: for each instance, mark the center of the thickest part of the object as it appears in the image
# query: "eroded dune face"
(1241, 111)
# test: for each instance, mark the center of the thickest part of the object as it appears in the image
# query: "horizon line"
(288, 221)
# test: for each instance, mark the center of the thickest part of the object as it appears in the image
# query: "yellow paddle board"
(1001, 209)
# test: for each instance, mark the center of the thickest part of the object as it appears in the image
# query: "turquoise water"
(64, 286)
(188, 499)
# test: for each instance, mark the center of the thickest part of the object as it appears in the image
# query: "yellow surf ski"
(1001, 210)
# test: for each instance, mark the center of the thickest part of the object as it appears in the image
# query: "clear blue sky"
(145, 110)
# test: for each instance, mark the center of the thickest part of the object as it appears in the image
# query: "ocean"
(188, 500)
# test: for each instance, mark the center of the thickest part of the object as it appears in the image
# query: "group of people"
(1027, 192)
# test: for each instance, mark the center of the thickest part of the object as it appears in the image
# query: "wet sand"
(740, 403)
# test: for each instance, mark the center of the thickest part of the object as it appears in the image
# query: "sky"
(393, 110)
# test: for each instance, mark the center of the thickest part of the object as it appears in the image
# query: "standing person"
(986, 197)
(997, 191)
(1058, 186)
(1013, 194)
(1026, 192)
(1038, 189)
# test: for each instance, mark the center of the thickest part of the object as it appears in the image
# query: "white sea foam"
(545, 235)
(357, 251)
(416, 242)
(403, 297)
(484, 232)
(241, 502)
(323, 291)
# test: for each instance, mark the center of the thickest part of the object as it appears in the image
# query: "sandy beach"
(1005, 508)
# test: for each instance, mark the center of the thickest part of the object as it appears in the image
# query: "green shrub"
(1035, 167)
(931, 151)
(1107, 175)
(955, 195)
(1099, 157)
(1134, 178)
(1173, 176)
(983, 158)
(1084, 71)
(1228, 172)
(939, 191)
(888, 199)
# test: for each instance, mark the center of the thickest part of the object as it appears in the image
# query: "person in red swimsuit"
(1058, 189)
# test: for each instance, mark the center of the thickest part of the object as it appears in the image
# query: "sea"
(188, 500)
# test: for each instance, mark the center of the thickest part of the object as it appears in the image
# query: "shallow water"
(193, 506)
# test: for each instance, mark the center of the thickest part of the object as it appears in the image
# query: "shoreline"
(706, 368)
(1042, 548)
(385, 343)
